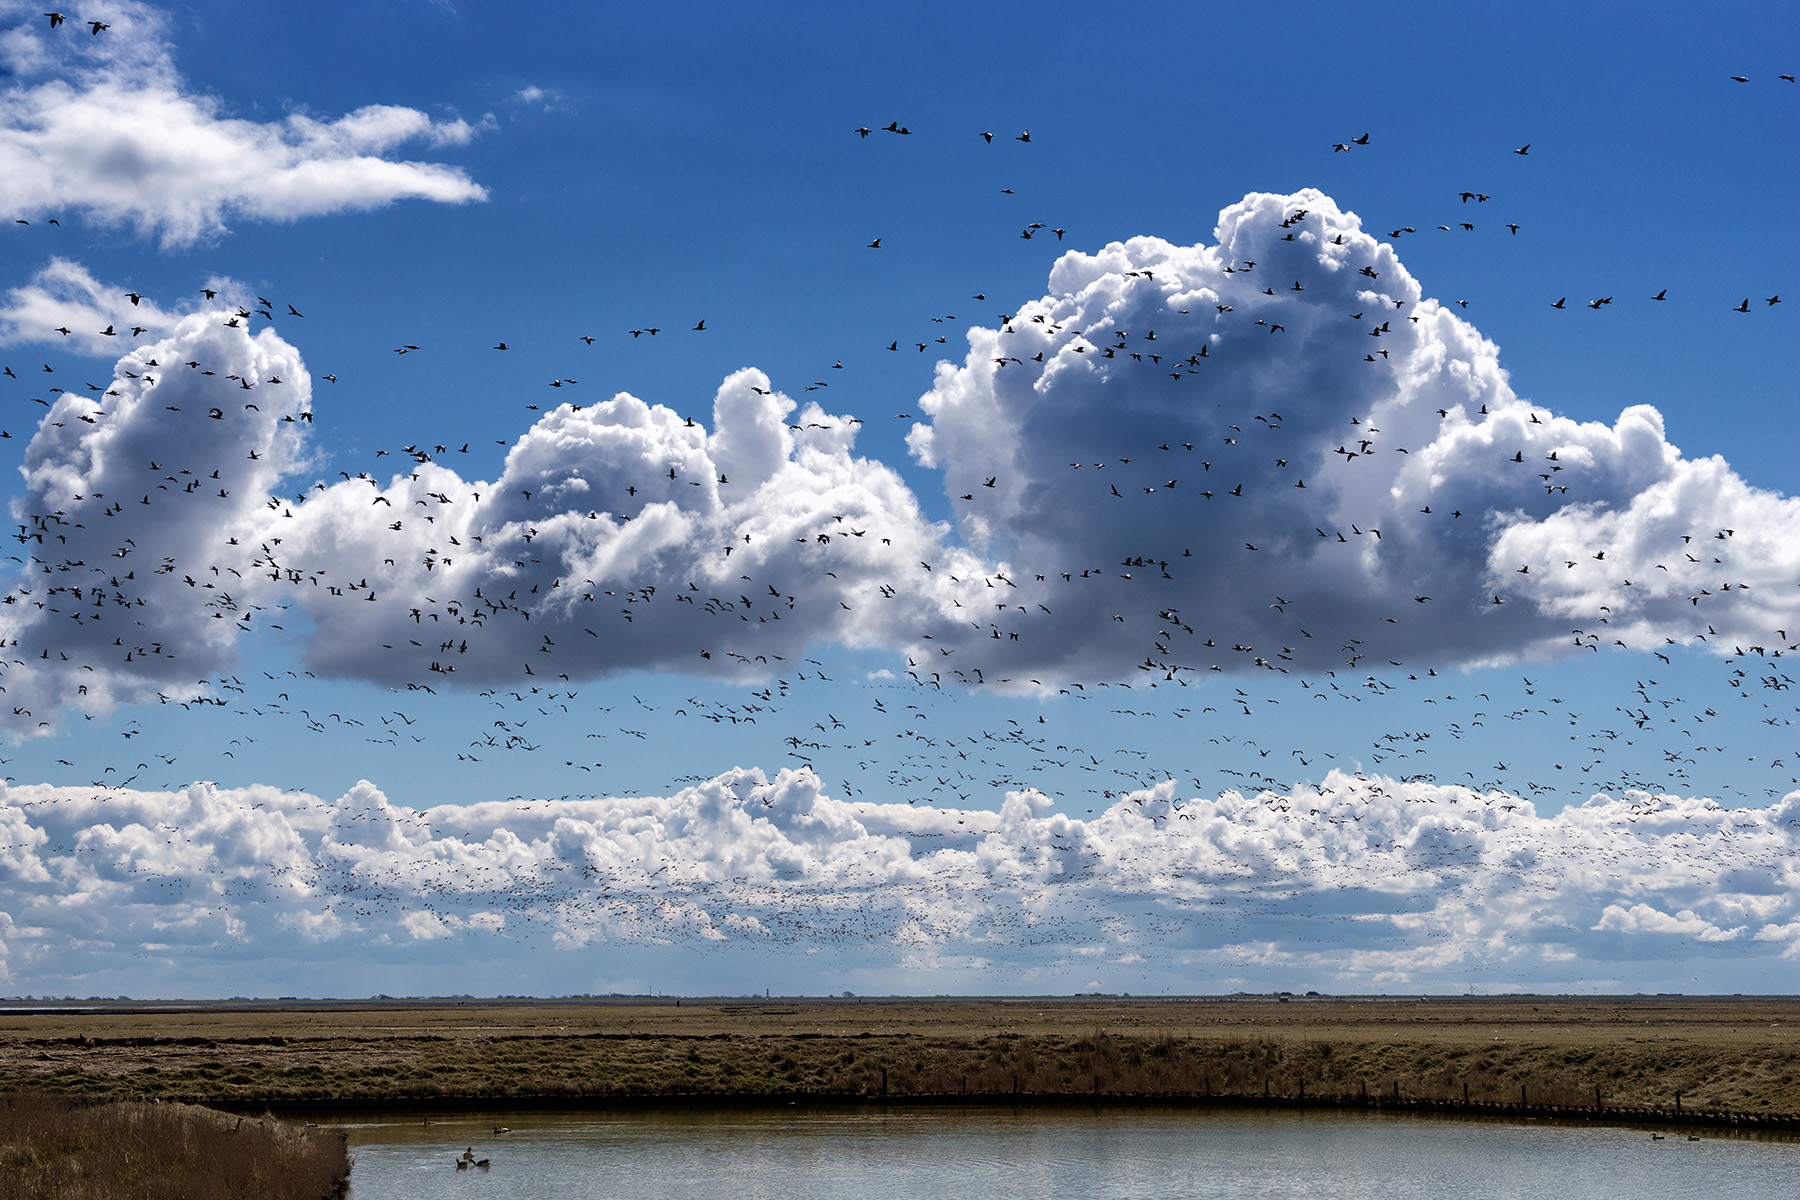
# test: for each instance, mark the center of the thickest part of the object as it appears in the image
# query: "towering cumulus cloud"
(104, 122)
(619, 535)
(158, 527)
(1265, 454)
(142, 521)
(1277, 451)
(1362, 883)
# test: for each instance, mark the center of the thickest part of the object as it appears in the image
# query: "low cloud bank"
(1364, 883)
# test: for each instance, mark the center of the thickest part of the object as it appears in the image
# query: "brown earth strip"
(1730, 1055)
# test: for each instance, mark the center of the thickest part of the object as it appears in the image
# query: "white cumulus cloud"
(142, 517)
(104, 123)
(1276, 450)
(621, 535)
(1166, 465)
(1642, 918)
(170, 514)
(65, 305)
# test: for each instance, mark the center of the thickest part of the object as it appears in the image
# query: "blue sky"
(587, 171)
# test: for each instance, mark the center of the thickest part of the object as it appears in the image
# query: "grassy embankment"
(1720, 1055)
(57, 1148)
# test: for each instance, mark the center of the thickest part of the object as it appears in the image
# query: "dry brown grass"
(1731, 1054)
(55, 1148)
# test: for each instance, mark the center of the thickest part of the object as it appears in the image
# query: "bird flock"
(1190, 482)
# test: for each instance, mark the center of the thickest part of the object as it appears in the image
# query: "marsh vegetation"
(1725, 1055)
(60, 1148)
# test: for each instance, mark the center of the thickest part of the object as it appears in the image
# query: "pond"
(902, 1152)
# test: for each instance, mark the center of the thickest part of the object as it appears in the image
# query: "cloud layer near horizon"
(109, 127)
(1361, 883)
(1166, 465)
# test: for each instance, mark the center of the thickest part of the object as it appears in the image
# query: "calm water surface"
(1034, 1154)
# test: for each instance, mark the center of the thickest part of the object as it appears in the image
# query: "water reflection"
(901, 1153)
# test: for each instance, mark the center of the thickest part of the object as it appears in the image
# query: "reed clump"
(59, 1148)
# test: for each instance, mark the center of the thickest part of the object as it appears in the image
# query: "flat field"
(1725, 1054)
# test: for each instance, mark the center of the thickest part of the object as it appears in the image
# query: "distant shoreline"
(125, 1004)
